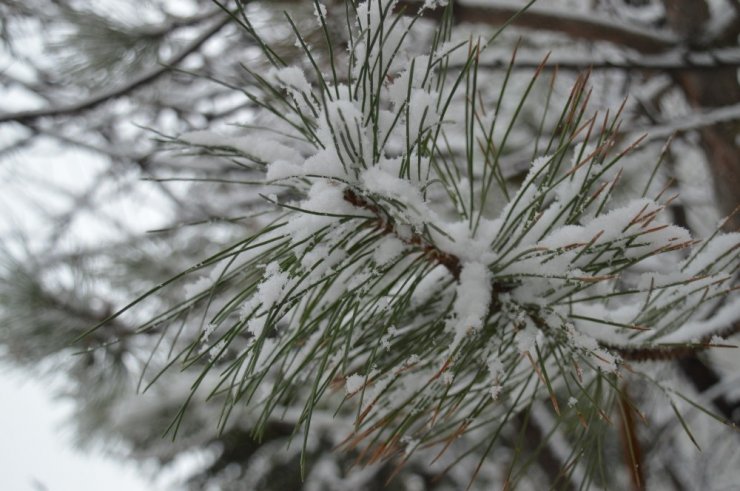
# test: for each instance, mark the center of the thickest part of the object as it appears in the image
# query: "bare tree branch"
(141, 80)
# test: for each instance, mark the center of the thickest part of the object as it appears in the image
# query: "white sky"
(35, 450)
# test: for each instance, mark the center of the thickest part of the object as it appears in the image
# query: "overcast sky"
(36, 451)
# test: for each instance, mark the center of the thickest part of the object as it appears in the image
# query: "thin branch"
(691, 122)
(575, 25)
(674, 61)
(141, 80)
(449, 261)
(670, 352)
(454, 265)
(141, 161)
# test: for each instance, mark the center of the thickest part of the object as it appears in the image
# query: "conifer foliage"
(400, 281)
(401, 287)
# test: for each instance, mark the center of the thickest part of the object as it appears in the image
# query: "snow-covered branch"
(574, 24)
(677, 60)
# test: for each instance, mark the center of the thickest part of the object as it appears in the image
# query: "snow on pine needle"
(390, 284)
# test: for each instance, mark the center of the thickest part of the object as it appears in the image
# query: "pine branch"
(453, 264)
(386, 224)
(384, 270)
(575, 25)
(667, 353)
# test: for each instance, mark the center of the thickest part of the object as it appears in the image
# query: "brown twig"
(633, 454)
(453, 264)
(449, 261)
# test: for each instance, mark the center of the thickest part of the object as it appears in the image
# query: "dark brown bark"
(719, 89)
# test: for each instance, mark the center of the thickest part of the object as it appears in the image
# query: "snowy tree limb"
(576, 25)
(674, 61)
(690, 122)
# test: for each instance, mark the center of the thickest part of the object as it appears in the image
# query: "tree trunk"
(711, 90)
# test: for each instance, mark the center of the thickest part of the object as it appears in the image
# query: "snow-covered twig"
(690, 122)
(574, 24)
(672, 61)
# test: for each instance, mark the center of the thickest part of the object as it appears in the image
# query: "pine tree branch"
(137, 82)
(449, 261)
(666, 353)
(454, 265)
(575, 25)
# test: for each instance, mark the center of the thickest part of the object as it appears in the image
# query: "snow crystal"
(354, 383)
(321, 259)
(270, 290)
(416, 212)
(580, 340)
(605, 361)
(293, 80)
(412, 360)
(527, 338)
(495, 367)
(717, 340)
(422, 112)
(281, 169)
(472, 301)
(255, 326)
(319, 11)
(473, 294)
(208, 330)
(216, 350)
(433, 4)
(198, 286)
(387, 250)
(385, 341)
(458, 240)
